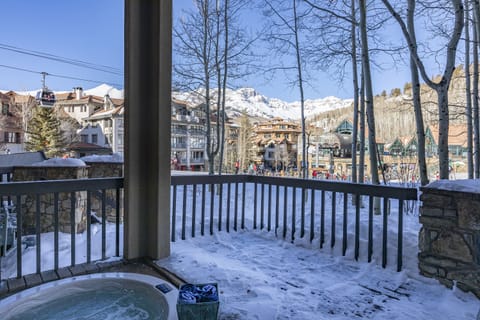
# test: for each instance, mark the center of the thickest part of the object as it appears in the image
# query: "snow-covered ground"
(263, 277)
(260, 277)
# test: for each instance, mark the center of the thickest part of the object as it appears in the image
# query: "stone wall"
(92, 170)
(449, 240)
(28, 206)
(102, 170)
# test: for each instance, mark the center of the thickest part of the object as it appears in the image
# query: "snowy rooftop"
(115, 158)
(60, 162)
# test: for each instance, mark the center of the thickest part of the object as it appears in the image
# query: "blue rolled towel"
(187, 297)
(207, 293)
(189, 288)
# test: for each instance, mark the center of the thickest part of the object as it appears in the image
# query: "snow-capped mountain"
(257, 105)
(99, 91)
(105, 89)
(242, 100)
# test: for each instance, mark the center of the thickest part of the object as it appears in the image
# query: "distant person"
(250, 168)
(237, 166)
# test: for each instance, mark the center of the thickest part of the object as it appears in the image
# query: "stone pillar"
(38, 173)
(103, 169)
(148, 63)
(449, 240)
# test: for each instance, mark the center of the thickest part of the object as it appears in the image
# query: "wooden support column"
(148, 64)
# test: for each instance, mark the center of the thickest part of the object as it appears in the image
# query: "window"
(84, 138)
(287, 136)
(5, 108)
(94, 138)
(106, 140)
(11, 137)
(278, 135)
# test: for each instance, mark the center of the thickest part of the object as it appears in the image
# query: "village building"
(276, 143)
(15, 111)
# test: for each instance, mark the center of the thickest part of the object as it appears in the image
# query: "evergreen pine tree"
(44, 133)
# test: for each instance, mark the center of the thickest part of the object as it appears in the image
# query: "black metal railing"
(328, 212)
(39, 207)
(293, 209)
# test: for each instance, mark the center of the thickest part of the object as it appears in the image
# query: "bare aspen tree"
(210, 51)
(417, 105)
(468, 93)
(475, 94)
(361, 160)
(440, 87)
(221, 70)
(245, 145)
(372, 145)
(353, 35)
(335, 44)
(285, 38)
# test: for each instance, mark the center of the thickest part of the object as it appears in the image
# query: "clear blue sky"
(92, 31)
(86, 30)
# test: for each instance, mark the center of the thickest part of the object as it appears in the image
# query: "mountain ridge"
(241, 100)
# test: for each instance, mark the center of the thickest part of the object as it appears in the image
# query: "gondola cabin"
(45, 98)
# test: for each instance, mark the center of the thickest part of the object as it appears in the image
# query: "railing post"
(89, 227)
(194, 208)
(357, 224)
(385, 232)
(184, 211)
(19, 235)
(312, 215)
(72, 227)
(400, 236)
(38, 232)
(55, 231)
(345, 223)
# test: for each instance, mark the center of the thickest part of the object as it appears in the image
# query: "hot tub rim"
(170, 297)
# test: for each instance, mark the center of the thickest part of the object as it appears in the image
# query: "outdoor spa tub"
(101, 296)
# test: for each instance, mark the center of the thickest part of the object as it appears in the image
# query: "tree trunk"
(361, 164)
(224, 81)
(369, 94)
(417, 106)
(468, 93)
(302, 98)
(475, 97)
(443, 125)
(355, 92)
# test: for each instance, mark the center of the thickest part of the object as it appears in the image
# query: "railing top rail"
(68, 185)
(401, 193)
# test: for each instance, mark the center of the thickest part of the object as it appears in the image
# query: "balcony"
(179, 145)
(191, 206)
(290, 209)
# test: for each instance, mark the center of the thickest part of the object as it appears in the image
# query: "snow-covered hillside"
(258, 105)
